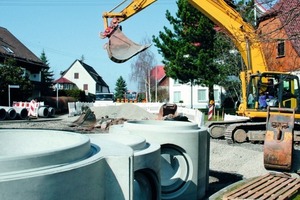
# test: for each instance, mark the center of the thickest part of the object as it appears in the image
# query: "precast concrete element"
(184, 156)
(48, 164)
(146, 163)
(10, 112)
(43, 111)
(2, 113)
(51, 111)
(22, 113)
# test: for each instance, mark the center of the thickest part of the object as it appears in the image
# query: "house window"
(176, 82)
(85, 87)
(280, 48)
(76, 75)
(202, 95)
(216, 95)
(7, 49)
(177, 96)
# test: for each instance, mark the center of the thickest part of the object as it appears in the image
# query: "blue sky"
(68, 29)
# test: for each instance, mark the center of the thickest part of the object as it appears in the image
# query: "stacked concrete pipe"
(22, 113)
(49, 164)
(10, 112)
(2, 114)
(51, 112)
(43, 111)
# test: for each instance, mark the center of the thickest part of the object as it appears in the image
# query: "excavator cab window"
(274, 90)
(290, 92)
(266, 90)
(252, 92)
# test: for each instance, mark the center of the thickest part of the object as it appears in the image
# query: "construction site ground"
(228, 163)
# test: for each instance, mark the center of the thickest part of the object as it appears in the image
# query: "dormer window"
(7, 49)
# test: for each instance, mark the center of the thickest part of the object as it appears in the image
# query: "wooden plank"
(254, 183)
(270, 186)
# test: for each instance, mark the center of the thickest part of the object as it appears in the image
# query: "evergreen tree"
(121, 88)
(189, 52)
(11, 74)
(47, 76)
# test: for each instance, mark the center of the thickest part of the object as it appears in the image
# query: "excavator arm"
(120, 48)
(133, 8)
(218, 11)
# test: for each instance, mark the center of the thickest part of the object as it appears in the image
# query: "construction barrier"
(34, 109)
(211, 110)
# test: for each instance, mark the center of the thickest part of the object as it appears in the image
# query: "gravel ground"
(228, 163)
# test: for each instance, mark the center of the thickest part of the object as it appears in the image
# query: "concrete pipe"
(48, 164)
(51, 111)
(22, 113)
(184, 156)
(10, 112)
(43, 111)
(146, 163)
(2, 114)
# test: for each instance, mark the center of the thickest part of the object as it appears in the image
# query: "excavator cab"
(273, 89)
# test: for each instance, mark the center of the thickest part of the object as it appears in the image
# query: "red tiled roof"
(288, 13)
(62, 80)
(160, 72)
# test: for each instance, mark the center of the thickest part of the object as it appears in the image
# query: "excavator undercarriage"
(244, 131)
(278, 133)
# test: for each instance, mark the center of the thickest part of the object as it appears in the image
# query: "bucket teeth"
(120, 48)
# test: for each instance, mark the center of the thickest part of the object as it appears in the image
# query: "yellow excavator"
(261, 88)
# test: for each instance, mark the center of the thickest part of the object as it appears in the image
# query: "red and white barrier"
(33, 108)
(210, 111)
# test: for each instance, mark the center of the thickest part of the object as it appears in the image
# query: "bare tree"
(140, 70)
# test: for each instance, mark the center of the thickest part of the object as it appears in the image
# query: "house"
(65, 84)
(11, 47)
(85, 78)
(159, 79)
(279, 28)
(183, 94)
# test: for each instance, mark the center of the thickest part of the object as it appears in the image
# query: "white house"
(193, 97)
(85, 78)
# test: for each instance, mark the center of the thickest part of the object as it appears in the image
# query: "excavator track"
(242, 132)
(251, 132)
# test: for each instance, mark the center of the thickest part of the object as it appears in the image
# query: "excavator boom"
(218, 11)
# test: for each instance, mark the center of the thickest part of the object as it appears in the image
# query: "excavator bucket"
(167, 109)
(120, 48)
(86, 120)
(278, 144)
